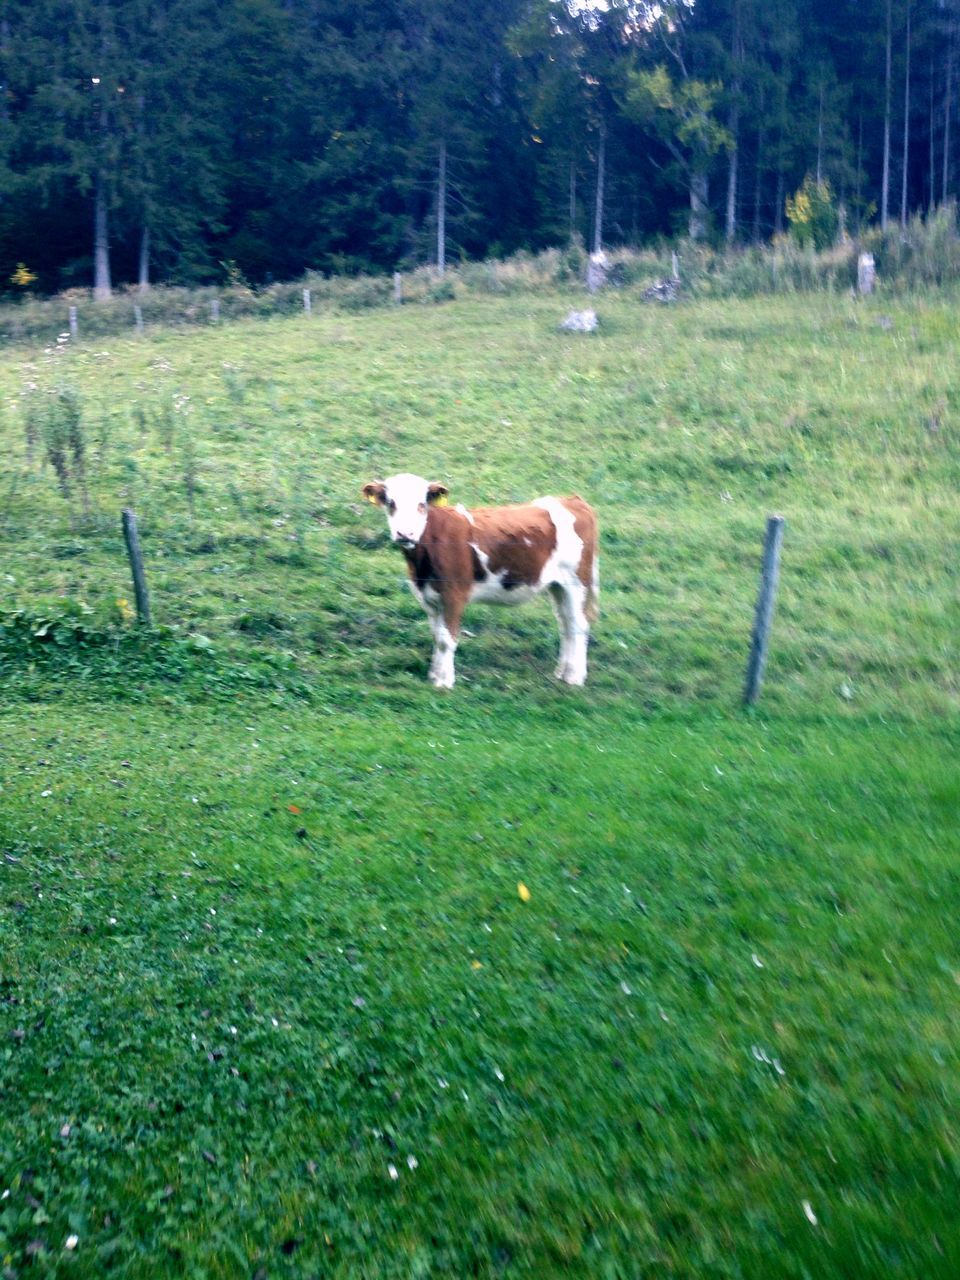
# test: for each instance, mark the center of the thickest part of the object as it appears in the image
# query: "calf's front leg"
(445, 624)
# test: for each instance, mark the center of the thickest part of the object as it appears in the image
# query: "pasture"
(307, 969)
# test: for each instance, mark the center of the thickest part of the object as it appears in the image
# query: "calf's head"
(406, 499)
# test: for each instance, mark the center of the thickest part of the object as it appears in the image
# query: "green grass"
(261, 931)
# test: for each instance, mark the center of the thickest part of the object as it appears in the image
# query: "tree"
(680, 114)
(173, 193)
(557, 93)
(906, 122)
(733, 120)
(887, 87)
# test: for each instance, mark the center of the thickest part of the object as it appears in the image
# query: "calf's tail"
(591, 606)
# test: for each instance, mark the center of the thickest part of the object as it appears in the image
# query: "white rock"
(580, 322)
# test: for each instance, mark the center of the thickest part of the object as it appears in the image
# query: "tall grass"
(924, 254)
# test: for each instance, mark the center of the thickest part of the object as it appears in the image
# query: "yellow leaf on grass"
(523, 891)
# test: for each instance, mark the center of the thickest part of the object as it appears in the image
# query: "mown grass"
(262, 934)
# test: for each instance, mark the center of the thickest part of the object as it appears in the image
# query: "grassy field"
(272, 1002)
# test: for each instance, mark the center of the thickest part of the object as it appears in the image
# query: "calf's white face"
(405, 498)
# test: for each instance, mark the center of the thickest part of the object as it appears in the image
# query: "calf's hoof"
(573, 677)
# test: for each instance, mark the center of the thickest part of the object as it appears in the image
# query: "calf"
(498, 555)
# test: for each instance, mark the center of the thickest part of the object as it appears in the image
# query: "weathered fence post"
(135, 555)
(675, 264)
(74, 328)
(397, 289)
(598, 266)
(760, 639)
(866, 273)
(138, 317)
(215, 310)
(307, 301)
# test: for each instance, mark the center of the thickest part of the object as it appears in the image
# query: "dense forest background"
(191, 141)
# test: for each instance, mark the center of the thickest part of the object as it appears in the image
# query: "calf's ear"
(375, 492)
(437, 495)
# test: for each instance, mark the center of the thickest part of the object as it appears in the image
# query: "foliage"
(680, 111)
(925, 253)
(315, 146)
(99, 648)
(812, 214)
(22, 276)
(66, 624)
(442, 291)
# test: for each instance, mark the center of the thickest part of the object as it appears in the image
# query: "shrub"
(812, 214)
(442, 291)
(573, 259)
(62, 624)
(925, 252)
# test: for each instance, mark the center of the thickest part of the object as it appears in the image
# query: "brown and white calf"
(497, 555)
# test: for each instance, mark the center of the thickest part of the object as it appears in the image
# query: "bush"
(442, 291)
(923, 253)
(812, 215)
(62, 624)
(573, 260)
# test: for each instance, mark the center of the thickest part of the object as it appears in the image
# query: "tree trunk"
(4, 45)
(932, 159)
(144, 272)
(442, 208)
(573, 198)
(885, 185)
(947, 95)
(758, 178)
(820, 138)
(906, 128)
(101, 240)
(778, 205)
(734, 127)
(598, 209)
(101, 214)
(699, 205)
(778, 208)
(731, 229)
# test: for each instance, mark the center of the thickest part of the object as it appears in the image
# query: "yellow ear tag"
(372, 498)
(442, 501)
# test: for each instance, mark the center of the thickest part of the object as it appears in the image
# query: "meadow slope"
(271, 1000)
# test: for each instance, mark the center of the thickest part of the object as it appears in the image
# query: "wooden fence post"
(760, 638)
(74, 328)
(215, 310)
(307, 301)
(138, 317)
(135, 555)
(397, 289)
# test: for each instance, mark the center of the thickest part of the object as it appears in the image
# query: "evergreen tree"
(178, 139)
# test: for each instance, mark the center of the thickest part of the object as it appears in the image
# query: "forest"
(197, 141)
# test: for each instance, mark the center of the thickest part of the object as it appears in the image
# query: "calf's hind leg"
(556, 599)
